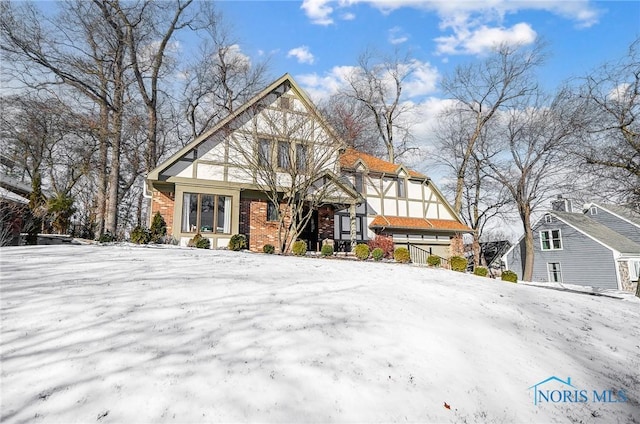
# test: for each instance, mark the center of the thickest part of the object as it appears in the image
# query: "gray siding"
(618, 225)
(583, 261)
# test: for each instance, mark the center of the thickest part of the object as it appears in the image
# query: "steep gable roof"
(599, 232)
(351, 157)
(286, 78)
(623, 212)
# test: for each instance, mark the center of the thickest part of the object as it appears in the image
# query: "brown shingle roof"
(400, 222)
(351, 156)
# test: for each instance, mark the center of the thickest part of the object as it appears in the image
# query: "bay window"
(206, 213)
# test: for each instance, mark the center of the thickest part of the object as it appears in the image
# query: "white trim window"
(206, 213)
(550, 240)
(634, 269)
(555, 272)
(593, 210)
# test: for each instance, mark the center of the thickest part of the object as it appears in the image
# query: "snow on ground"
(134, 334)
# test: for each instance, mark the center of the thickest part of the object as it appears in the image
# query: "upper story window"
(302, 157)
(402, 187)
(593, 210)
(284, 155)
(264, 152)
(550, 240)
(285, 102)
(548, 219)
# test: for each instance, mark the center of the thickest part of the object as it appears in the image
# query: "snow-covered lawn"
(139, 334)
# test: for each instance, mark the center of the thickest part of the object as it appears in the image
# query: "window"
(264, 152)
(402, 189)
(301, 157)
(285, 102)
(554, 271)
(272, 211)
(550, 240)
(201, 211)
(284, 158)
(358, 182)
(634, 269)
(548, 219)
(593, 210)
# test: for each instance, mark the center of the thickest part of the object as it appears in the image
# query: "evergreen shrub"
(237, 242)
(434, 261)
(509, 276)
(299, 248)
(480, 271)
(269, 249)
(326, 250)
(458, 263)
(362, 251)
(401, 254)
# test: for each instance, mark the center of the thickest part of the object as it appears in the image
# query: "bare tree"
(609, 101)
(291, 157)
(377, 83)
(83, 48)
(526, 156)
(354, 124)
(483, 199)
(222, 77)
(144, 25)
(482, 89)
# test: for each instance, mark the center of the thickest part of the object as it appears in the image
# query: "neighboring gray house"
(599, 247)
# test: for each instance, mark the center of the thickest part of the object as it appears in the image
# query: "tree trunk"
(101, 195)
(527, 273)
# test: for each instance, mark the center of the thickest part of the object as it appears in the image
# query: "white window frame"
(593, 210)
(548, 219)
(550, 235)
(549, 272)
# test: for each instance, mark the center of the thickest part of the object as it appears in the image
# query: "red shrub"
(383, 242)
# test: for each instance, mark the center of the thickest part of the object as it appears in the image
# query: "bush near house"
(401, 254)
(481, 271)
(327, 250)
(383, 242)
(140, 235)
(458, 263)
(299, 248)
(509, 276)
(199, 242)
(377, 254)
(362, 251)
(269, 249)
(237, 242)
(158, 228)
(434, 260)
(107, 237)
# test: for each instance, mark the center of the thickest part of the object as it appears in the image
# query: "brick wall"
(163, 202)
(254, 224)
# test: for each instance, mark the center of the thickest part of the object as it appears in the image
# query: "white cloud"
(321, 87)
(397, 36)
(318, 11)
(422, 81)
(483, 38)
(476, 25)
(348, 16)
(302, 53)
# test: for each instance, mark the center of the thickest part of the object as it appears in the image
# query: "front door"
(310, 233)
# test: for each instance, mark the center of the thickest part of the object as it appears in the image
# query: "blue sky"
(315, 40)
